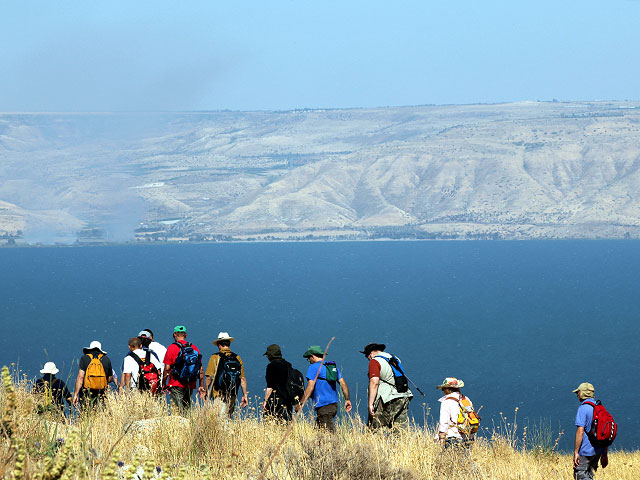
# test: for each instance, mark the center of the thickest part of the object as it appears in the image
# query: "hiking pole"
(417, 387)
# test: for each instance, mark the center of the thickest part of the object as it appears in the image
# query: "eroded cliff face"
(523, 170)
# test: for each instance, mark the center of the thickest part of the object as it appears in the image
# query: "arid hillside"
(522, 170)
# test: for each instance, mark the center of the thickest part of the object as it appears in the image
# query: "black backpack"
(228, 373)
(188, 364)
(295, 385)
(399, 378)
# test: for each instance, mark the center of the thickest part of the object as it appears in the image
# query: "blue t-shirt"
(584, 417)
(324, 393)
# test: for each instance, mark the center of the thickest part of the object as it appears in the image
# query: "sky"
(113, 55)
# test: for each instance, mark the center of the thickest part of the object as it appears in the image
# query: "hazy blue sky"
(267, 54)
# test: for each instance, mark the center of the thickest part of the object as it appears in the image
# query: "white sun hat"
(95, 345)
(223, 336)
(49, 367)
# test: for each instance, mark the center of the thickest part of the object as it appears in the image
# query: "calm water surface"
(522, 323)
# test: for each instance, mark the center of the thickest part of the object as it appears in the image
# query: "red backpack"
(148, 375)
(603, 427)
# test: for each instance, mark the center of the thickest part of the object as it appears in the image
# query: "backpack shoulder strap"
(136, 358)
(590, 403)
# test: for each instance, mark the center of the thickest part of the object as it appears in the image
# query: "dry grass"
(114, 443)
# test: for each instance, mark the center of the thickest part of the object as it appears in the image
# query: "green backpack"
(332, 371)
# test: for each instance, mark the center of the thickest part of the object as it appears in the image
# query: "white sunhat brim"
(94, 347)
(52, 371)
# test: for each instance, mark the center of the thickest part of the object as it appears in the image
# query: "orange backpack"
(95, 377)
(468, 419)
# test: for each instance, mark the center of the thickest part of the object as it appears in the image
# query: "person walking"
(146, 336)
(458, 421)
(323, 378)
(94, 374)
(585, 455)
(134, 362)
(225, 375)
(388, 406)
(277, 403)
(182, 370)
(54, 390)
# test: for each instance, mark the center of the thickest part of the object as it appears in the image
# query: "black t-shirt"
(59, 391)
(276, 375)
(105, 361)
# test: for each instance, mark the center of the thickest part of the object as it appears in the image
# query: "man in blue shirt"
(323, 388)
(585, 455)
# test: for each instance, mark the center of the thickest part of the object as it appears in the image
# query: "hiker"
(323, 378)
(54, 389)
(277, 403)
(92, 380)
(458, 420)
(137, 362)
(182, 370)
(146, 336)
(225, 375)
(388, 402)
(585, 455)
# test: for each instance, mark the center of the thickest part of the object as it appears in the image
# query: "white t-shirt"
(160, 350)
(131, 366)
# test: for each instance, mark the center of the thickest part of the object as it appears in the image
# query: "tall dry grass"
(134, 436)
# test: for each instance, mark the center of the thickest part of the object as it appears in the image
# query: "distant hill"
(520, 170)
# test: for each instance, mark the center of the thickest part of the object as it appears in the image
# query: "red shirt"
(374, 368)
(170, 359)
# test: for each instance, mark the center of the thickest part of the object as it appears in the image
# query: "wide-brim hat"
(223, 336)
(313, 350)
(95, 345)
(370, 347)
(50, 368)
(450, 382)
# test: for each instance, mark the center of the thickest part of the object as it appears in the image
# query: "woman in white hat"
(54, 390)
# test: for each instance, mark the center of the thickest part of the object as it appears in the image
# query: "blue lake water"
(522, 323)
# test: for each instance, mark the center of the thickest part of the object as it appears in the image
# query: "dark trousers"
(325, 416)
(587, 467)
(92, 398)
(181, 398)
(277, 407)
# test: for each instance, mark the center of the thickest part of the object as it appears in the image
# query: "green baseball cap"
(180, 329)
(314, 350)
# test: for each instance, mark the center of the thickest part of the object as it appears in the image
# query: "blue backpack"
(400, 380)
(188, 364)
(228, 373)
